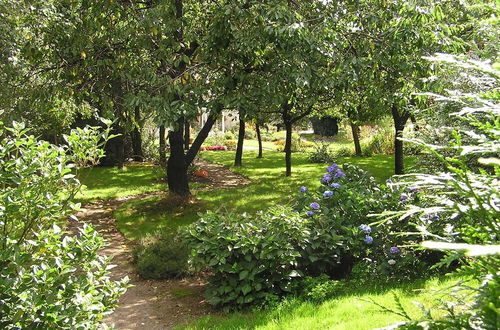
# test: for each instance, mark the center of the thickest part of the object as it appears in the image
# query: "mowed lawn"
(354, 310)
(269, 187)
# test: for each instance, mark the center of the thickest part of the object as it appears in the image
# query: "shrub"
(344, 152)
(252, 258)
(297, 145)
(318, 289)
(340, 230)
(380, 142)
(161, 256)
(321, 154)
(49, 280)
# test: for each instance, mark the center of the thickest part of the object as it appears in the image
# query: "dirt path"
(149, 304)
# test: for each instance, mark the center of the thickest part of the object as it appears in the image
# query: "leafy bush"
(380, 142)
(217, 138)
(53, 281)
(321, 154)
(319, 289)
(161, 256)
(297, 145)
(49, 280)
(253, 258)
(344, 152)
(341, 234)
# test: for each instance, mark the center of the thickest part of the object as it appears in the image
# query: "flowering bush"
(341, 234)
(214, 148)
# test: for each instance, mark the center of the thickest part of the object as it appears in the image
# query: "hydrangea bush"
(341, 235)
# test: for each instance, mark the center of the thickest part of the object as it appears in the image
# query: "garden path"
(151, 304)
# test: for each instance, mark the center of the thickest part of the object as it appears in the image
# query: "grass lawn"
(111, 182)
(350, 312)
(269, 187)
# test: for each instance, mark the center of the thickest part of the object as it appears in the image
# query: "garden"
(249, 165)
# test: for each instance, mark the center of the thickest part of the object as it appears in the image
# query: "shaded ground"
(151, 304)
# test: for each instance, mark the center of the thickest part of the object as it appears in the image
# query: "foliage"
(343, 152)
(253, 258)
(298, 145)
(348, 309)
(161, 255)
(55, 281)
(319, 289)
(466, 200)
(321, 154)
(48, 279)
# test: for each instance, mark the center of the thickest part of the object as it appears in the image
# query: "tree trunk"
(239, 147)
(400, 120)
(288, 148)
(163, 157)
(187, 135)
(176, 165)
(355, 135)
(259, 139)
(200, 138)
(115, 148)
(136, 138)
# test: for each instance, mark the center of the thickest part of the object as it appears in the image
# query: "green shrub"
(381, 142)
(49, 280)
(344, 152)
(341, 234)
(321, 154)
(319, 289)
(161, 256)
(230, 135)
(253, 258)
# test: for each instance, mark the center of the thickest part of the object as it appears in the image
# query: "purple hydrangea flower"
(368, 239)
(394, 250)
(403, 198)
(365, 228)
(411, 189)
(335, 185)
(328, 193)
(339, 174)
(309, 213)
(326, 178)
(332, 168)
(303, 189)
(388, 181)
(314, 206)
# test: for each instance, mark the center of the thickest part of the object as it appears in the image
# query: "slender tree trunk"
(416, 128)
(187, 134)
(163, 157)
(355, 136)
(239, 147)
(288, 148)
(259, 139)
(136, 138)
(200, 138)
(178, 182)
(400, 120)
(115, 151)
